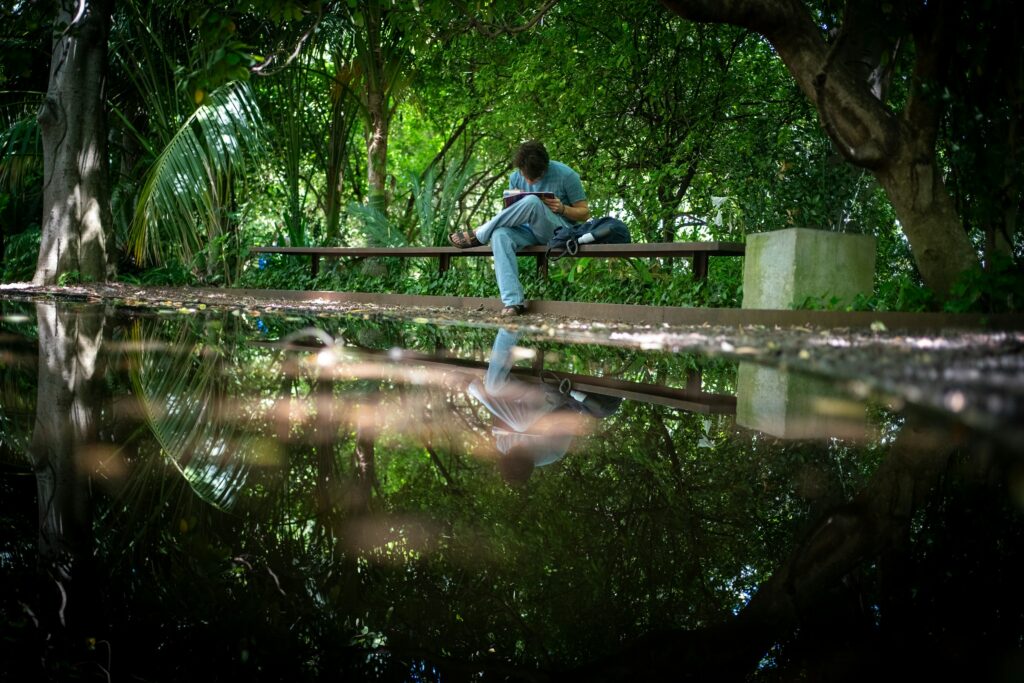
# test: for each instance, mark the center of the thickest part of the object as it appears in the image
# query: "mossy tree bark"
(72, 119)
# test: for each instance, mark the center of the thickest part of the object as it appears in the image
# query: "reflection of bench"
(692, 398)
(699, 252)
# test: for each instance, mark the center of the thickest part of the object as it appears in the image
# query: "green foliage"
(219, 57)
(20, 155)
(904, 294)
(686, 131)
(71, 277)
(981, 145)
(173, 274)
(276, 272)
(186, 201)
(996, 288)
(22, 252)
(437, 213)
(375, 226)
(629, 281)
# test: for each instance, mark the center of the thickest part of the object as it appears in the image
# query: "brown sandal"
(464, 239)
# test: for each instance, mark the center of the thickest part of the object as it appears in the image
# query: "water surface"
(209, 496)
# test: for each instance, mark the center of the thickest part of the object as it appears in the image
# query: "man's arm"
(578, 212)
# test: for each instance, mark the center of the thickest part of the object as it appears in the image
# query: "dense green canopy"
(380, 121)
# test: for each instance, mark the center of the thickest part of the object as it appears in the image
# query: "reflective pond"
(212, 496)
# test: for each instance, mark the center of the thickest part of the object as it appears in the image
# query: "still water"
(211, 496)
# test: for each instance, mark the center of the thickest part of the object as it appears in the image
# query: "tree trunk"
(377, 148)
(924, 206)
(844, 80)
(76, 194)
(378, 77)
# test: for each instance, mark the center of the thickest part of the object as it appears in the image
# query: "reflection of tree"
(67, 415)
(809, 588)
(655, 531)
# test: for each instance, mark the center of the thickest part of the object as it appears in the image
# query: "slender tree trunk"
(76, 194)
(378, 109)
(377, 148)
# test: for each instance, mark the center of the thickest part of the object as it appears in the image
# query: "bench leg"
(444, 263)
(694, 382)
(542, 265)
(314, 266)
(700, 267)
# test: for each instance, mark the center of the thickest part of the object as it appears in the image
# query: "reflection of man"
(531, 220)
(534, 424)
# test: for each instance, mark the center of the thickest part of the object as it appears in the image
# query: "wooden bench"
(699, 252)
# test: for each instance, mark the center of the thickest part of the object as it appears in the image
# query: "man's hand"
(577, 213)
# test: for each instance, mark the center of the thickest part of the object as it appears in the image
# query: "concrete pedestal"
(781, 269)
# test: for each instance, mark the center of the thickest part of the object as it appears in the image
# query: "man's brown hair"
(532, 159)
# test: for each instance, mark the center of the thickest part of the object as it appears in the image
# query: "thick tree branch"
(932, 36)
(494, 30)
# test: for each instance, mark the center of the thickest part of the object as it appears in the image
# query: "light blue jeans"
(528, 221)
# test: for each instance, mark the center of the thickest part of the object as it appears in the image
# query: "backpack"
(606, 230)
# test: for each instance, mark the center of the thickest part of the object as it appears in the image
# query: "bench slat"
(663, 249)
(700, 252)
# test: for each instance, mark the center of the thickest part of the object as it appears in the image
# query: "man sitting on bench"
(530, 220)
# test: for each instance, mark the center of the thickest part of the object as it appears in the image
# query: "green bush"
(997, 288)
(625, 281)
(21, 255)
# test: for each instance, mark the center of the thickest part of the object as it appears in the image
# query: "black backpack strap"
(552, 254)
(570, 247)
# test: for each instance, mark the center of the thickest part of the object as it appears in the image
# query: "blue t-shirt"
(559, 178)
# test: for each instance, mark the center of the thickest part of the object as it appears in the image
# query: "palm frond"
(21, 156)
(437, 213)
(454, 184)
(423, 201)
(181, 205)
(375, 226)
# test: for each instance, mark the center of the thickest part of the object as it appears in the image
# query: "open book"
(510, 197)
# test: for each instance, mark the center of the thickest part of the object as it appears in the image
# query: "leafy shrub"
(21, 255)
(626, 281)
(999, 288)
(172, 274)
